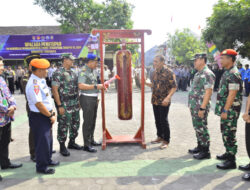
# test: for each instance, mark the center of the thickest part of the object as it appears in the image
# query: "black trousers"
(161, 121)
(248, 138)
(89, 108)
(5, 133)
(19, 84)
(41, 128)
(11, 85)
(246, 87)
(31, 143)
(184, 83)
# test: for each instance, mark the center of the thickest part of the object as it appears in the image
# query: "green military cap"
(68, 56)
(31, 56)
(199, 56)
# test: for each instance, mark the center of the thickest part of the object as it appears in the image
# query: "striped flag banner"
(215, 52)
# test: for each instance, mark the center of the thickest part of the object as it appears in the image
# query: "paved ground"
(130, 167)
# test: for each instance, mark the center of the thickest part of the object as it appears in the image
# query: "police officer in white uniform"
(41, 115)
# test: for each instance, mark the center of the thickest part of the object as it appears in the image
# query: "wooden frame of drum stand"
(124, 34)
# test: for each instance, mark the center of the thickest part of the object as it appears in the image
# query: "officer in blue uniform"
(41, 115)
(246, 80)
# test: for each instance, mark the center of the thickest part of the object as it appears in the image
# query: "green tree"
(81, 16)
(229, 26)
(184, 45)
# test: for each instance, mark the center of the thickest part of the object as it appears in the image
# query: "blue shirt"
(38, 91)
(242, 72)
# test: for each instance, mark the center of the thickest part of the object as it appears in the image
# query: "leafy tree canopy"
(184, 45)
(229, 26)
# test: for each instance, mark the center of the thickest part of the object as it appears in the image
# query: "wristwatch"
(52, 114)
(224, 111)
(95, 86)
(202, 109)
(59, 106)
(248, 112)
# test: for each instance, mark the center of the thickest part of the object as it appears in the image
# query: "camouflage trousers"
(200, 127)
(70, 121)
(228, 130)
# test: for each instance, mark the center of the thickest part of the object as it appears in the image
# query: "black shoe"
(245, 168)
(228, 164)
(194, 151)
(89, 149)
(73, 145)
(53, 152)
(222, 156)
(54, 163)
(63, 150)
(11, 166)
(47, 171)
(1, 178)
(33, 158)
(94, 143)
(202, 155)
(246, 177)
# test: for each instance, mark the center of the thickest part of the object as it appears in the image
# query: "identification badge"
(5, 102)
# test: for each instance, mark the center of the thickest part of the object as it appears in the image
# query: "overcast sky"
(148, 14)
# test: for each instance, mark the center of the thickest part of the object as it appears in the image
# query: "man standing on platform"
(199, 104)
(65, 93)
(163, 87)
(228, 106)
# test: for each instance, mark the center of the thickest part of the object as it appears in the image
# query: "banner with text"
(50, 46)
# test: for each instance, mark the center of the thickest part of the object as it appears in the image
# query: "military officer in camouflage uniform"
(65, 92)
(228, 106)
(87, 83)
(199, 104)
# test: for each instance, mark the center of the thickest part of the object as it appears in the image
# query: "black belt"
(68, 97)
(40, 112)
(92, 97)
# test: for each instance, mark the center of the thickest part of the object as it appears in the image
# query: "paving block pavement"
(128, 166)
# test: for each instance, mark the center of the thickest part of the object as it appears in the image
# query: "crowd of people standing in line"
(72, 88)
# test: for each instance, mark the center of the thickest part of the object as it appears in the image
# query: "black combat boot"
(195, 150)
(73, 145)
(228, 164)
(203, 154)
(222, 156)
(246, 177)
(245, 167)
(63, 150)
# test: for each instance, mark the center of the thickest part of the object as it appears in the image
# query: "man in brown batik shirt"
(163, 87)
